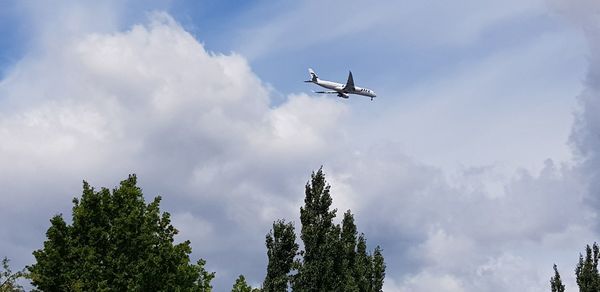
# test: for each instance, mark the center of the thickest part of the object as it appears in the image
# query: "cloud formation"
(196, 126)
(585, 136)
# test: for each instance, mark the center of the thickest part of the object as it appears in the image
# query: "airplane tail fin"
(312, 75)
(350, 82)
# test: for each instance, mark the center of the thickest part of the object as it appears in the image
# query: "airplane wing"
(330, 92)
(339, 93)
(350, 83)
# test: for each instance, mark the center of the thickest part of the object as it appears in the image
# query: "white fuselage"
(341, 88)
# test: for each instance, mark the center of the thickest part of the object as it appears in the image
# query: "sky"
(475, 168)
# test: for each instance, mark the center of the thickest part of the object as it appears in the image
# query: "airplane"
(342, 90)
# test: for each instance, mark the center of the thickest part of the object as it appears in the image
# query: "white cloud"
(507, 273)
(426, 281)
(447, 251)
(430, 227)
(196, 127)
(195, 229)
(585, 138)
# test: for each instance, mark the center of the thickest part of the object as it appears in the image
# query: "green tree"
(348, 260)
(363, 267)
(316, 271)
(281, 250)
(333, 259)
(204, 277)
(586, 271)
(555, 283)
(240, 285)
(8, 279)
(116, 242)
(378, 270)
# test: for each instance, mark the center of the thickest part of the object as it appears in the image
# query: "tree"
(204, 277)
(116, 242)
(316, 271)
(333, 258)
(281, 250)
(555, 283)
(378, 270)
(363, 267)
(348, 261)
(8, 279)
(586, 271)
(240, 285)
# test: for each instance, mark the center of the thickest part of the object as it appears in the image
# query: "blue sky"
(480, 134)
(12, 42)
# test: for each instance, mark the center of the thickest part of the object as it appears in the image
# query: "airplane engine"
(343, 95)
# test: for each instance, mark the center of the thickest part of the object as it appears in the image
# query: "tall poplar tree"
(281, 250)
(348, 241)
(555, 283)
(586, 271)
(316, 270)
(363, 267)
(378, 270)
(333, 259)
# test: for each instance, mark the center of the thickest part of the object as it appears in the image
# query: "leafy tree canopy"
(116, 242)
(240, 285)
(8, 278)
